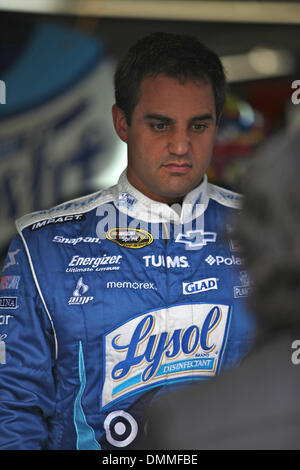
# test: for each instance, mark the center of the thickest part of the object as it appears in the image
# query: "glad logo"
(167, 345)
(196, 287)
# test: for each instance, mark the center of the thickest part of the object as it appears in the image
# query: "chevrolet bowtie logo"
(196, 238)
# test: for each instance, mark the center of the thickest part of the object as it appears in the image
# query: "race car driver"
(116, 297)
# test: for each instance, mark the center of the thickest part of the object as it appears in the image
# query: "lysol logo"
(143, 353)
(197, 287)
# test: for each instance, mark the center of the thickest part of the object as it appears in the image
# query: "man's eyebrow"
(203, 117)
(159, 117)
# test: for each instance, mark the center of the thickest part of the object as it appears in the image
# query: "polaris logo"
(197, 287)
(221, 260)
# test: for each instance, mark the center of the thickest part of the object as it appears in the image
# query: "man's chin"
(171, 194)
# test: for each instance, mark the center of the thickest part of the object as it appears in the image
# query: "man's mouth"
(180, 168)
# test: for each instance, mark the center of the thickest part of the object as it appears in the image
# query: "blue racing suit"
(108, 301)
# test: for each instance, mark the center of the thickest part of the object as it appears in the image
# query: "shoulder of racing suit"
(91, 201)
(74, 206)
(224, 196)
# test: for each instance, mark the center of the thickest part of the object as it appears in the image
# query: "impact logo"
(78, 295)
(57, 220)
(142, 353)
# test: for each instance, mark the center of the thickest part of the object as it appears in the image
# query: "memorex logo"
(164, 345)
(2, 92)
(130, 285)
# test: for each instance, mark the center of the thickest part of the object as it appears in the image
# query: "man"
(123, 294)
(255, 406)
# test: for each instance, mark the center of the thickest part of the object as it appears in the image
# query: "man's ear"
(120, 122)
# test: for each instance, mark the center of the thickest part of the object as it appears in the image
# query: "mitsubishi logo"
(196, 238)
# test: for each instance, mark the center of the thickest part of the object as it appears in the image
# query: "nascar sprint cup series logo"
(181, 342)
(130, 237)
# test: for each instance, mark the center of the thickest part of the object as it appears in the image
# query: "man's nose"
(179, 142)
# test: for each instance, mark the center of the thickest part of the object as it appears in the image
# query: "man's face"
(171, 136)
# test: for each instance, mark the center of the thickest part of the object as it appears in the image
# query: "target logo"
(121, 428)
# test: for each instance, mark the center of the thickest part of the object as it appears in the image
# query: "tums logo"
(166, 261)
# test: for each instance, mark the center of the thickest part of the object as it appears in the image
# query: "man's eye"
(159, 126)
(199, 127)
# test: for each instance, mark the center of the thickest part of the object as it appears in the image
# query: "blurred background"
(58, 58)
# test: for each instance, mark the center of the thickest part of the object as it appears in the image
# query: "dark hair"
(178, 56)
(269, 232)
